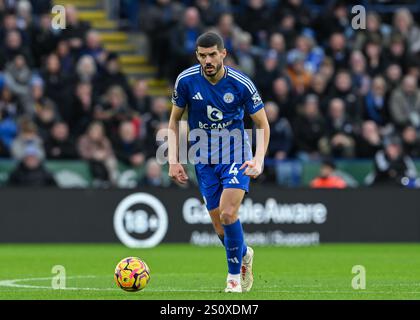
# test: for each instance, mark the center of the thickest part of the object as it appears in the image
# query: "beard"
(213, 71)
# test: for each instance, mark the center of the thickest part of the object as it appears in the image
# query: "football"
(132, 274)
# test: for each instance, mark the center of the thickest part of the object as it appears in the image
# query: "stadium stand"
(87, 101)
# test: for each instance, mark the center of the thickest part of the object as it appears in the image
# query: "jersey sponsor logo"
(206, 126)
(228, 97)
(198, 96)
(214, 114)
(256, 98)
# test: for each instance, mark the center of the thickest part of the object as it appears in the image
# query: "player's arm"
(254, 167)
(176, 170)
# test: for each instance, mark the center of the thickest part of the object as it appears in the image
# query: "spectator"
(286, 26)
(327, 178)
(327, 70)
(8, 116)
(299, 76)
(43, 39)
(338, 51)
(319, 87)
(39, 99)
(112, 76)
(182, 41)
(30, 172)
(405, 104)
(93, 47)
(369, 142)
(142, 98)
(405, 25)
(83, 107)
(374, 56)
(75, 31)
(28, 136)
(266, 73)
(24, 18)
(255, 19)
(245, 55)
(44, 119)
(281, 133)
(359, 75)
(283, 97)
(95, 148)
(59, 145)
(278, 44)
(376, 102)
(67, 60)
(392, 164)
(393, 74)
(128, 147)
(343, 88)
(56, 85)
(338, 141)
(334, 19)
(12, 47)
(228, 30)
(374, 26)
(411, 142)
(153, 176)
(158, 22)
(18, 77)
(4, 151)
(154, 121)
(397, 53)
(298, 9)
(210, 10)
(113, 110)
(314, 55)
(309, 129)
(86, 70)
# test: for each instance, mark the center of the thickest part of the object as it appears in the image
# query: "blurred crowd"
(64, 97)
(331, 91)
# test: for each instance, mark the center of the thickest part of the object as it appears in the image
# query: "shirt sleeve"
(179, 95)
(253, 102)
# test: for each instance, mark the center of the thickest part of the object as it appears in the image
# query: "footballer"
(217, 97)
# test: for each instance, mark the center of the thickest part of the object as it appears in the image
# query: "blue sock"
(244, 247)
(234, 244)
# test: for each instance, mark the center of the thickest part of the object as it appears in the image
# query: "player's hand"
(177, 173)
(253, 168)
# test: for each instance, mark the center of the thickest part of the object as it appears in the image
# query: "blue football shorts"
(214, 178)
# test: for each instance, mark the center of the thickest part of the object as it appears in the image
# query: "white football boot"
(233, 285)
(247, 278)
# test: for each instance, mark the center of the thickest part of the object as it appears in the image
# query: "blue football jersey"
(218, 110)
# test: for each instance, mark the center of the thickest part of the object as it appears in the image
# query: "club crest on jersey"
(214, 114)
(256, 98)
(228, 97)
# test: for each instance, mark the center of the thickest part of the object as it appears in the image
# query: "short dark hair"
(210, 39)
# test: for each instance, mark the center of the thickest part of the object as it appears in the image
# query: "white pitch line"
(13, 283)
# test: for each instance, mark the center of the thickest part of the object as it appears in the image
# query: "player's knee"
(228, 215)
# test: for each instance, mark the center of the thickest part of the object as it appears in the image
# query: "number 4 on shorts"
(233, 170)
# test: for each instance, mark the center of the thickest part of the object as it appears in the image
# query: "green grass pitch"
(189, 272)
